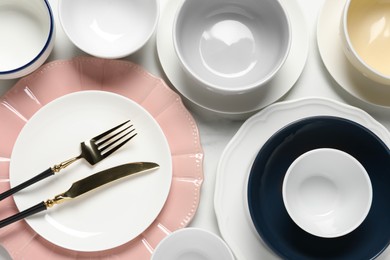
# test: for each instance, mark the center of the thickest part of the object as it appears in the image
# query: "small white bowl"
(232, 47)
(27, 32)
(327, 192)
(109, 29)
(192, 244)
(365, 36)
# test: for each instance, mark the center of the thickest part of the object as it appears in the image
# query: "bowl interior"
(327, 192)
(368, 27)
(231, 45)
(25, 29)
(192, 244)
(109, 29)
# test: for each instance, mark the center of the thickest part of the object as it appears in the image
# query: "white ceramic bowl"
(232, 47)
(192, 244)
(327, 192)
(109, 29)
(27, 32)
(365, 36)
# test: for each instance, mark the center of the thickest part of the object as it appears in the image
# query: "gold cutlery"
(93, 151)
(83, 186)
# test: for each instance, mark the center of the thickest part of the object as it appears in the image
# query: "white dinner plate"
(233, 104)
(230, 199)
(337, 64)
(110, 216)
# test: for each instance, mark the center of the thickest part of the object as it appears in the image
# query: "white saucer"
(234, 104)
(330, 48)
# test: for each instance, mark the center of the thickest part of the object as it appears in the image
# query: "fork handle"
(47, 173)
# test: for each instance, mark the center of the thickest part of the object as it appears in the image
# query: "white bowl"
(232, 47)
(327, 192)
(192, 244)
(109, 29)
(27, 32)
(365, 36)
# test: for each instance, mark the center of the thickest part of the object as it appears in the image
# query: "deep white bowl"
(327, 192)
(365, 36)
(109, 29)
(192, 244)
(232, 47)
(27, 32)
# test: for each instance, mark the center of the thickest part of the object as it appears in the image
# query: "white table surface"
(216, 131)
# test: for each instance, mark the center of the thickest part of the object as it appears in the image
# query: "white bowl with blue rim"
(27, 32)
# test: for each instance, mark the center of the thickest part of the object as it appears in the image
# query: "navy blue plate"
(265, 200)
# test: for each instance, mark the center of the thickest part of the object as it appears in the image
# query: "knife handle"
(41, 176)
(23, 214)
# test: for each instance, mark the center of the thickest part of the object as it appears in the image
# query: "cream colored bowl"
(365, 33)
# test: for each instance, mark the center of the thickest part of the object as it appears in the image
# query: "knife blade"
(83, 186)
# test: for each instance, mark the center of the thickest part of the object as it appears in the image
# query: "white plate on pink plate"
(230, 199)
(337, 64)
(236, 106)
(112, 216)
(152, 96)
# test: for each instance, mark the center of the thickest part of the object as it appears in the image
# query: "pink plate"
(59, 78)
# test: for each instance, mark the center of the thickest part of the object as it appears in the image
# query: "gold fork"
(93, 151)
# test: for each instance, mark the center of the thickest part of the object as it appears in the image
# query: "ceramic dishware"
(265, 200)
(364, 34)
(235, 106)
(134, 84)
(327, 192)
(109, 29)
(232, 47)
(192, 244)
(231, 188)
(331, 50)
(99, 224)
(27, 32)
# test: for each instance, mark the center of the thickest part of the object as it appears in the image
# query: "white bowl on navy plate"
(232, 47)
(192, 244)
(109, 29)
(327, 192)
(27, 32)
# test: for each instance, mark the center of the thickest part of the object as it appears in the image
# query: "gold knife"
(83, 186)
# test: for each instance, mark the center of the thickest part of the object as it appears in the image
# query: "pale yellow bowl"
(365, 33)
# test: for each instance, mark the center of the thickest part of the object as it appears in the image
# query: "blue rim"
(266, 205)
(44, 47)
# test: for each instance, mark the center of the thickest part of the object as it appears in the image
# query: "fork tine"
(96, 138)
(117, 145)
(103, 141)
